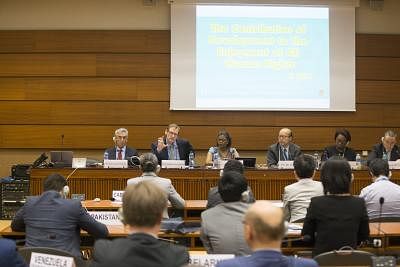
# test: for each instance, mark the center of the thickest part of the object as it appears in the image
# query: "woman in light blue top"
(223, 149)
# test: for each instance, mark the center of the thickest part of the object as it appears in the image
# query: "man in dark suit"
(121, 151)
(283, 150)
(214, 197)
(170, 147)
(142, 208)
(264, 228)
(387, 149)
(50, 220)
(8, 254)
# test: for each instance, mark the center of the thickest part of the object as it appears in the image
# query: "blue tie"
(285, 154)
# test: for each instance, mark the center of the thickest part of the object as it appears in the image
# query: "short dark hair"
(234, 165)
(148, 162)
(54, 182)
(143, 204)
(231, 186)
(336, 176)
(343, 132)
(227, 136)
(304, 166)
(379, 167)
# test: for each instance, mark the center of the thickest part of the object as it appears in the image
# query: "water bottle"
(316, 158)
(358, 161)
(215, 160)
(105, 155)
(191, 160)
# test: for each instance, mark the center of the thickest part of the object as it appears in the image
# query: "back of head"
(231, 186)
(54, 182)
(336, 176)
(143, 204)
(148, 162)
(304, 166)
(379, 167)
(266, 221)
(234, 165)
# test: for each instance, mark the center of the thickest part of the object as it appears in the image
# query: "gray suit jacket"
(275, 154)
(222, 229)
(51, 221)
(297, 197)
(176, 200)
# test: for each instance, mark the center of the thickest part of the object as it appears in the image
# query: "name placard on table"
(208, 259)
(50, 260)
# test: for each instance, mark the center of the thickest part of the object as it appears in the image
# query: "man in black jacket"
(142, 208)
(387, 149)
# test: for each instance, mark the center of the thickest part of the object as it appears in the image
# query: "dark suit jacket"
(138, 249)
(274, 153)
(331, 151)
(214, 197)
(336, 221)
(184, 148)
(129, 152)
(51, 221)
(267, 258)
(8, 254)
(377, 152)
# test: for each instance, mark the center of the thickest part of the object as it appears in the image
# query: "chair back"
(385, 219)
(26, 253)
(345, 256)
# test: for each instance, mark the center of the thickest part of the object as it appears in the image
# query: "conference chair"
(27, 251)
(345, 256)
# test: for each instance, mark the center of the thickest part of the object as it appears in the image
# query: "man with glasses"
(121, 151)
(387, 149)
(170, 147)
(283, 150)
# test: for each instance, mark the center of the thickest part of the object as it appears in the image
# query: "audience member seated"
(142, 207)
(150, 168)
(221, 226)
(381, 188)
(283, 150)
(214, 197)
(297, 196)
(171, 147)
(336, 219)
(50, 220)
(264, 229)
(387, 149)
(223, 149)
(9, 256)
(340, 149)
(121, 151)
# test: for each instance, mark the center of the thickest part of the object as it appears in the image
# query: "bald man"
(283, 150)
(264, 228)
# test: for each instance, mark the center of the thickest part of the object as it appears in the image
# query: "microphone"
(305, 238)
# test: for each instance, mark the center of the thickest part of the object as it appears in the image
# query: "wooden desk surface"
(389, 228)
(112, 205)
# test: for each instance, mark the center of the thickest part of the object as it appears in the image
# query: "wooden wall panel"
(377, 45)
(378, 91)
(109, 65)
(84, 84)
(85, 89)
(378, 68)
(202, 137)
(158, 113)
(105, 41)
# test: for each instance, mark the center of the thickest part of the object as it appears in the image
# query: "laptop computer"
(61, 159)
(248, 162)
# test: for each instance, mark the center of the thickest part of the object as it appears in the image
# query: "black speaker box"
(21, 171)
